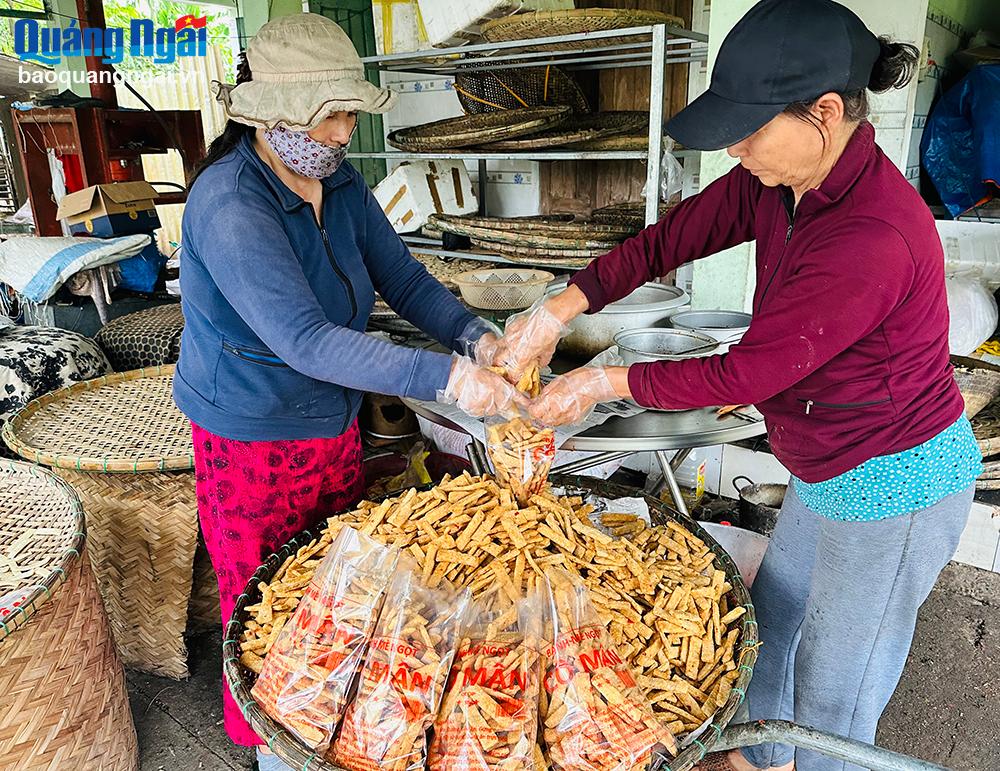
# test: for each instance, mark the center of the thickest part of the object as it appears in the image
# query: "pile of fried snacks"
(656, 590)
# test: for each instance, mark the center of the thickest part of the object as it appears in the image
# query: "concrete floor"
(946, 710)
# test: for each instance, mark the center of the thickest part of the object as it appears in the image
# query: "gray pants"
(837, 604)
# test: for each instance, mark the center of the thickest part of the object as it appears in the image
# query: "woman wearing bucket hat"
(284, 249)
(846, 357)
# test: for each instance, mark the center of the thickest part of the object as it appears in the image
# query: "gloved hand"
(571, 397)
(478, 391)
(528, 337)
(477, 344)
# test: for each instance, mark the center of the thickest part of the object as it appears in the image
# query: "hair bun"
(894, 67)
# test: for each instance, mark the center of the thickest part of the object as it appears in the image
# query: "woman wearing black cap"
(846, 357)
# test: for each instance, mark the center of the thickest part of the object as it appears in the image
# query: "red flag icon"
(198, 22)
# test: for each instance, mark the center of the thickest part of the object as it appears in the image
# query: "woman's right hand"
(479, 392)
(532, 336)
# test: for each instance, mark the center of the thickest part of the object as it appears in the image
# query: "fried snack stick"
(308, 672)
(595, 717)
(529, 383)
(402, 681)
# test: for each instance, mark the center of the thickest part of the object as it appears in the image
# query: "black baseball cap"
(782, 51)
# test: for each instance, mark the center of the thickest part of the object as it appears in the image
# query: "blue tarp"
(960, 148)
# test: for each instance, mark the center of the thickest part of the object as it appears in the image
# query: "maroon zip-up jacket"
(847, 353)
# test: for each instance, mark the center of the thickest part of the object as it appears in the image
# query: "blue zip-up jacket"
(275, 306)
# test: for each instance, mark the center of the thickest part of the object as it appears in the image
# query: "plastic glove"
(572, 397)
(529, 337)
(478, 391)
(478, 341)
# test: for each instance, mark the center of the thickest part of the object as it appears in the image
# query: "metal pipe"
(476, 453)
(671, 480)
(584, 62)
(591, 155)
(483, 182)
(657, 66)
(596, 459)
(679, 457)
(831, 745)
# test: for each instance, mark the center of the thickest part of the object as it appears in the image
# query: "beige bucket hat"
(304, 68)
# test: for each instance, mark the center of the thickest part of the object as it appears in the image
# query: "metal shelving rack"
(653, 46)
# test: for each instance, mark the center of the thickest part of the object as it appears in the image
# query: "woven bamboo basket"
(535, 24)
(515, 252)
(620, 142)
(482, 91)
(63, 702)
(986, 427)
(121, 442)
(627, 215)
(554, 225)
(529, 238)
(299, 756)
(204, 611)
(576, 129)
(979, 382)
(476, 129)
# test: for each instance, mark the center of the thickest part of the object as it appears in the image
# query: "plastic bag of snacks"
(402, 681)
(522, 454)
(310, 669)
(489, 718)
(594, 715)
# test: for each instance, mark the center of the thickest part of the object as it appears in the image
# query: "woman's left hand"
(571, 397)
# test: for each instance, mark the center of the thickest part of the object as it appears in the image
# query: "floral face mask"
(304, 155)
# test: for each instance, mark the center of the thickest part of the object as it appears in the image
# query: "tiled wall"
(942, 37)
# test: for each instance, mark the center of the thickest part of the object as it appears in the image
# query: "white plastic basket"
(502, 289)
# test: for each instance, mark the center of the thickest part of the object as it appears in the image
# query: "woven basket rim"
(578, 128)
(508, 28)
(970, 363)
(533, 254)
(623, 142)
(466, 130)
(554, 226)
(105, 465)
(44, 590)
(290, 750)
(530, 240)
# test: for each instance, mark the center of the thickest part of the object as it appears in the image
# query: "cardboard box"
(450, 24)
(415, 191)
(399, 28)
(116, 209)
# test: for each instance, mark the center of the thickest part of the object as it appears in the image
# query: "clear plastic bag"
(489, 718)
(522, 454)
(594, 715)
(308, 673)
(402, 681)
(671, 173)
(973, 312)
